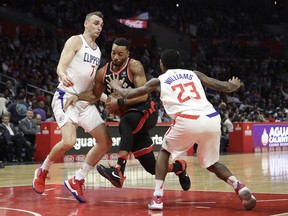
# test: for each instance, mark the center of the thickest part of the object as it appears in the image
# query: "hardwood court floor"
(266, 174)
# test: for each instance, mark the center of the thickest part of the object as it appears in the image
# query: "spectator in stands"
(227, 121)
(18, 110)
(40, 109)
(226, 127)
(38, 120)
(28, 126)
(3, 108)
(51, 119)
(221, 109)
(47, 101)
(3, 144)
(9, 90)
(161, 112)
(15, 140)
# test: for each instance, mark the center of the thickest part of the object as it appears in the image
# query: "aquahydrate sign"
(85, 142)
(270, 135)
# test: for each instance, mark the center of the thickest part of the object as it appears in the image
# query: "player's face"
(119, 55)
(94, 25)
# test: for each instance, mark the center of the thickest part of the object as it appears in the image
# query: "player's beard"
(116, 63)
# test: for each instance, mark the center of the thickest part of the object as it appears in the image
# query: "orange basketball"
(120, 109)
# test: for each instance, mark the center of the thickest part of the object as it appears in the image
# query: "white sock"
(158, 188)
(83, 171)
(46, 164)
(232, 180)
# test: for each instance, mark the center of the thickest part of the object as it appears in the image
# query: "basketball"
(120, 109)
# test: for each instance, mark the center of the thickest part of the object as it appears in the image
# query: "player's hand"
(114, 81)
(67, 82)
(111, 104)
(70, 101)
(236, 81)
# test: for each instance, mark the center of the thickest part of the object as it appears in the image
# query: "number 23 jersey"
(182, 92)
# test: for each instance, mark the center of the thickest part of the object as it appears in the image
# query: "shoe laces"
(238, 188)
(111, 166)
(43, 175)
(81, 186)
(157, 199)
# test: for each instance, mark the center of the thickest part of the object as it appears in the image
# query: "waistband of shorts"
(62, 91)
(195, 117)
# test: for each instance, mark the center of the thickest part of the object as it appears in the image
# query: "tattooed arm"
(139, 79)
(150, 86)
(223, 86)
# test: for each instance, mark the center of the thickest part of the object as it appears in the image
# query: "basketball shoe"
(113, 174)
(184, 178)
(75, 187)
(246, 197)
(38, 183)
(156, 203)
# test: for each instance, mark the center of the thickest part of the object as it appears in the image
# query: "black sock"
(177, 167)
(122, 163)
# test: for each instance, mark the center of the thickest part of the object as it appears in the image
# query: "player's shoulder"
(74, 40)
(134, 62)
(135, 66)
(103, 69)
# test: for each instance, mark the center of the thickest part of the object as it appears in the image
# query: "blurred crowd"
(32, 58)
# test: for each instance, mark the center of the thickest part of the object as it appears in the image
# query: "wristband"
(121, 101)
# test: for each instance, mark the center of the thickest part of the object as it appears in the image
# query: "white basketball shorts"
(188, 130)
(82, 114)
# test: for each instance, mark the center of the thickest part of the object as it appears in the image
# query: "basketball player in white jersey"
(76, 69)
(195, 121)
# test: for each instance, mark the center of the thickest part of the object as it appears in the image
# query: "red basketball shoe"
(76, 187)
(38, 183)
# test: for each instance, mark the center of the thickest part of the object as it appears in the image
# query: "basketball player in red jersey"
(137, 116)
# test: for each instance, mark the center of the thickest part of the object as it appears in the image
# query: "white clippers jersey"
(82, 69)
(182, 92)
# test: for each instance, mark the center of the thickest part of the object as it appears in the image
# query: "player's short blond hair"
(97, 13)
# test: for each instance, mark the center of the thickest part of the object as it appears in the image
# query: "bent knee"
(68, 143)
(105, 143)
(212, 167)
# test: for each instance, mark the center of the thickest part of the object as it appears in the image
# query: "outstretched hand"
(114, 81)
(70, 101)
(236, 81)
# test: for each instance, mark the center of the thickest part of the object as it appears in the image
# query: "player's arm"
(139, 79)
(222, 86)
(150, 86)
(72, 45)
(98, 88)
(90, 96)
